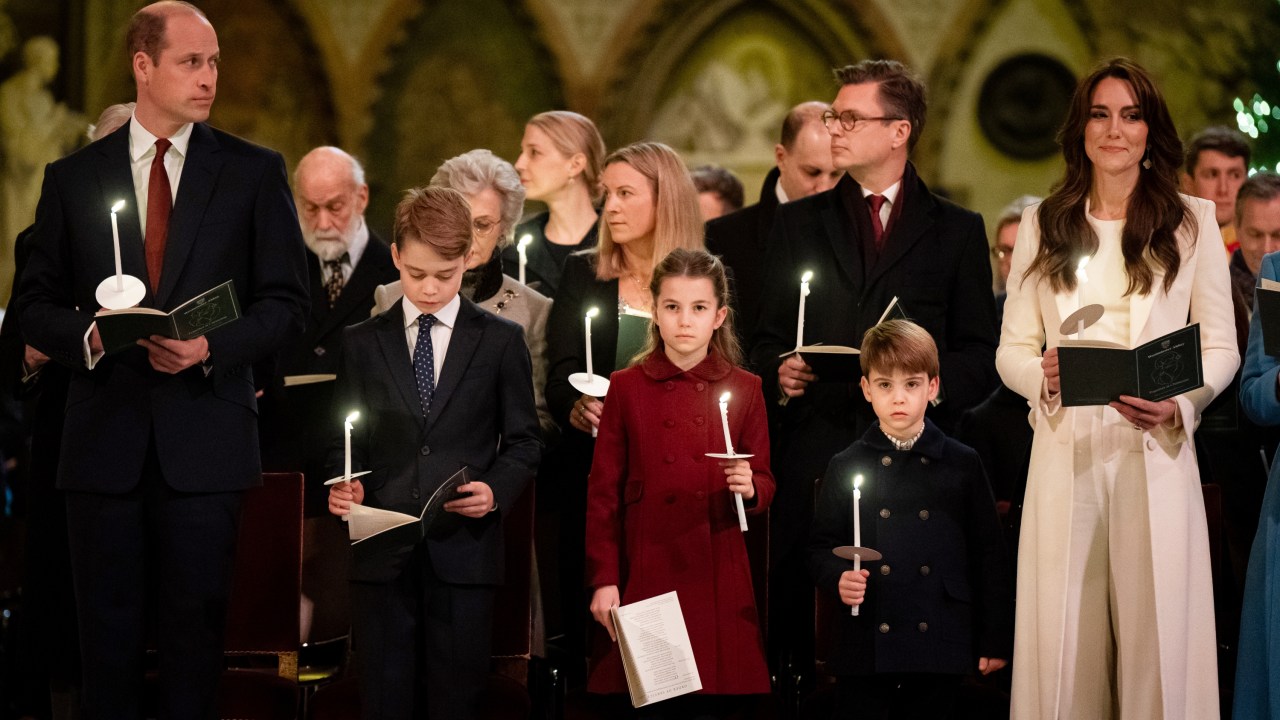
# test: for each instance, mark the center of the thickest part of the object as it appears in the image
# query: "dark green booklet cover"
(1157, 370)
(211, 309)
(633, 330)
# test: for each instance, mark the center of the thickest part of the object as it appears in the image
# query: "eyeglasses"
(485, 227)
(850, 121)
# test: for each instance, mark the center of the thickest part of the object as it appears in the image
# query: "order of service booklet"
(211, 309)
(839, 363)
(1096, 373)
(657, 656)
(374, 530)
(1268, 294)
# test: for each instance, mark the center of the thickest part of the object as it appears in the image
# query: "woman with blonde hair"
(559, 165)
(650, 208)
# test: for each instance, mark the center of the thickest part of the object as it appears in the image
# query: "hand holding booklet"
(211, 309)
(373, 530)
(657, 656)
(838, 363)
(1096, 373)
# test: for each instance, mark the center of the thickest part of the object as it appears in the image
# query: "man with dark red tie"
(879, 233)
(160, 440)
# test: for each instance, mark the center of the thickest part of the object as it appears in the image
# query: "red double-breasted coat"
(660, 516)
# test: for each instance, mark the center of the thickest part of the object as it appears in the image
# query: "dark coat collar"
(931, 444)
(712, 368)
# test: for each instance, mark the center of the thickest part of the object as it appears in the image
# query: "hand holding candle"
(520, 248)
(588, 383)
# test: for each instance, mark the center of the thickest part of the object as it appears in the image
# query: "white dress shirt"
(890, 197)
(441, 332)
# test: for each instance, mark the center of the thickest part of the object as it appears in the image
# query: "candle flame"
(807, 276)
(593, 312)
(355, 415)
(724, 398)
(118, 206)
(1084, 262)
(524, 241)
(857, 481)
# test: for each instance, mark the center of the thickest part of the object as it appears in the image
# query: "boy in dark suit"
(439, 384)
(939, 604)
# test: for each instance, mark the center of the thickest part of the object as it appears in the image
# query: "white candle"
(857, 530)
(590, 314)
(857, 520)
(1082, 277)
(724, 421)
(804, 292)
(520, 246)
(115, 237)
(728, 448)
(346, 469)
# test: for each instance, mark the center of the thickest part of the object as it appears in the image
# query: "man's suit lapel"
(462, 345)
(195, 187)
(846, 252)
(116, 178)
(395, 350)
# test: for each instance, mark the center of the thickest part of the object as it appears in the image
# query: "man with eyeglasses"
(878, 234)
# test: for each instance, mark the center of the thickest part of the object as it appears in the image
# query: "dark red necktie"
(876, 202)
(159, 205)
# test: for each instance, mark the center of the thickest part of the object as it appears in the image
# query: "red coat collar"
(712, 368)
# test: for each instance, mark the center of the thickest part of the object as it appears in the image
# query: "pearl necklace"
(904, 445)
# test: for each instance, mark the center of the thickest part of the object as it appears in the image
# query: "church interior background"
(404, 84)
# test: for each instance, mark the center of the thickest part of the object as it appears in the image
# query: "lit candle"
(804, 292)
(346, 468)
(728, 446)
(590, 314)
(857, 530)
(520, 246)
(115, 237)
(724, 421)
(1082, 277)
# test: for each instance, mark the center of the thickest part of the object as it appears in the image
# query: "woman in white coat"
(1115, 605)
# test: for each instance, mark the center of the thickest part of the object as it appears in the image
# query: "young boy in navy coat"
(939, 604)
(439, 385)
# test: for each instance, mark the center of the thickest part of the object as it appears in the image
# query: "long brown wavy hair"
(694, 263)
(1155, 211)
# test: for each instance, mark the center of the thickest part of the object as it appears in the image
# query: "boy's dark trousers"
(418, 626)
(897, 696)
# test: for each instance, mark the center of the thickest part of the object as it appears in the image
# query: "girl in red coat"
(660, 514)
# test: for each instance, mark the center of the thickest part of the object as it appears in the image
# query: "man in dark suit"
(440, 385)
(346, 264)
(161, 440)
(878, 234)
(804, 167)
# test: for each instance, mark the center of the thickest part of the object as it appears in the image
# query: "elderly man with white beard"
(345, 264)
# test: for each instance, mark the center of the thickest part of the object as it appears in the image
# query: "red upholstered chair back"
(513, 608)
(267, 579)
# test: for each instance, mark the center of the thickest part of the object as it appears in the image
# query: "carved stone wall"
(404, 84)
